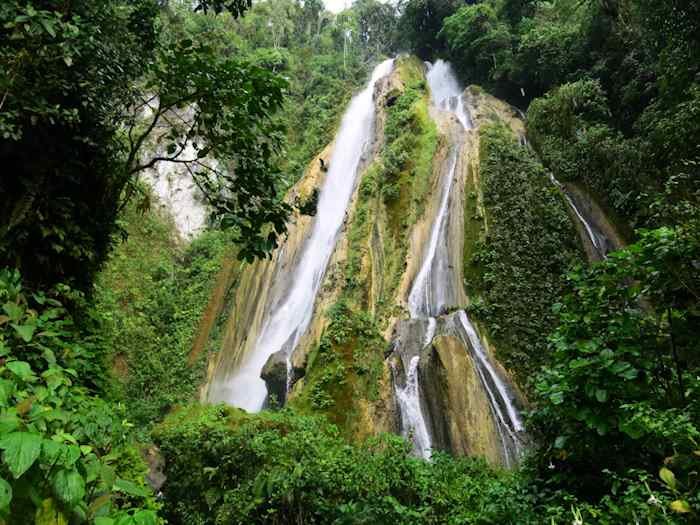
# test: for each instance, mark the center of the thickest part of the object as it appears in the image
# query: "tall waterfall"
(289, 317)
(429, 294)
(433, 292)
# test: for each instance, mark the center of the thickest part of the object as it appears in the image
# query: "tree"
(621, 391)
(420, 24)
(76, 79)
(479, 41)
(376, 23)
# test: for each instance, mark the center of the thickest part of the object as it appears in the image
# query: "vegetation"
(620, 394)
(150, 297)
(275, 468)
(84, 87)
(612, 90)
(66, 452)
(344, 369)
(515, 269)
(96, 332)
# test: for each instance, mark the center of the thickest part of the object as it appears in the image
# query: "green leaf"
(560, 442)
(5, 494)
(21, 449)
(22, 370)
(25, 331)
(69, 486)
(130, 488)
(104, 521)
(8, 423)
(48, 26)
(7, 388)
(668, 477)
(557, 398)
(145, 517)
(680, 506)
(15, 311)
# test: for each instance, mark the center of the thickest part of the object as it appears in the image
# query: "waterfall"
(430, 297)
(507, 418)
(414, 427)
(291, 314)
(599, 241)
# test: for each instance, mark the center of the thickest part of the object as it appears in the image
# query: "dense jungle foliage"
(611, 91)
(100, 300)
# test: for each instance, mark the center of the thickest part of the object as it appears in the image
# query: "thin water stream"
(432, 294)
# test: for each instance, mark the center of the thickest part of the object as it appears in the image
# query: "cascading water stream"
(290, 316)
(599, 241)
(429, 298)
(507, 418)
(411, 413)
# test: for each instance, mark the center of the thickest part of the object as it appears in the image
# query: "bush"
(66, 452)
(224, 466)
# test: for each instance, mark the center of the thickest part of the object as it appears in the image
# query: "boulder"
(274, 373)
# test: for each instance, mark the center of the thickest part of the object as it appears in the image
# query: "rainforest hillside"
(278, 262)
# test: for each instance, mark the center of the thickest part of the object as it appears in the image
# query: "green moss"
(345, 366)
(514, 269)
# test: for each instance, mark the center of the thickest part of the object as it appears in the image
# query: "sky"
(336, 5)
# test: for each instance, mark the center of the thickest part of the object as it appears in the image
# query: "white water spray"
(414, 427)
(290, 317)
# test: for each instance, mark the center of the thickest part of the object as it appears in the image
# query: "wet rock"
(274, 373)
(456, 407)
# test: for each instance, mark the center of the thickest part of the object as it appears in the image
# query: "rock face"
(274, 373)
(460, 416)
(607, 238)
(257, 284)
(387, 250)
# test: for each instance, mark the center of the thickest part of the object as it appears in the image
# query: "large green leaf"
(21, 449)
(668, 477)
(21, 369)
(5, 494)
(14, 311)
(145, 517)
(69, 486)
(130, 488)
(25, 331)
